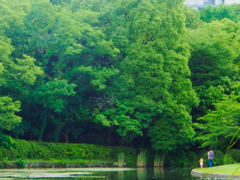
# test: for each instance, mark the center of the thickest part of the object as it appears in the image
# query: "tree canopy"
(119, 72)
(220, 125)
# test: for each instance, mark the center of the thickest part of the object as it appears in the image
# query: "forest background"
(146, 74)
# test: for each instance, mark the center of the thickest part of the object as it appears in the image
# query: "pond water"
(101, 174)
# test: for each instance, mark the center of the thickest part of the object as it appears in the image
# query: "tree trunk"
(65, 134)
(159, 159)
(57, 131)
(109, 136)
(43, 124)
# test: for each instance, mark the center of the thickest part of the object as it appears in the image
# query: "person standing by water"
(201, 162)
(210, 157)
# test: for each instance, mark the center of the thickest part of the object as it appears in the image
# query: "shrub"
(184, 158)
(228, 159)
(218, 157)
(235, 154)
(7, 142)
(61, 151)
(20, 163)
(5, 163)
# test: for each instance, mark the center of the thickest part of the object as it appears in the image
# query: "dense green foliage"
(214, 53)
(124, 72)
(7, 142)
(29, 150)
(231, 12)
(214, 64)
(221, 123)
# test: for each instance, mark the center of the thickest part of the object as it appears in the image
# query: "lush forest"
(148, 74)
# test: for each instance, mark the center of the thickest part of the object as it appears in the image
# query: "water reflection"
(141, 173)
(102, 173)
(120, 175)
(158, 173)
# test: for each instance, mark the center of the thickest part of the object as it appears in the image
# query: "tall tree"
(77, 53)
(8, 107)
(220, 127)
(192, 17)
(53, 96)
(154, 90)
(214, 53)
(220, 12)
(8, 110)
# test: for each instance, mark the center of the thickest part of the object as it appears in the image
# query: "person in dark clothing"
(210, 157)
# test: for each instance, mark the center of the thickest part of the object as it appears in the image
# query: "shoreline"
(196, 173)
(66, 164)
(223, 171)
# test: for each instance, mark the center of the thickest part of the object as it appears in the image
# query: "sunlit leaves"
(12, 14)
(214, 47)
(192, 17)
(214, 50)
(218, 126)
(8, 108)
(100, 75)
(154, 73)
(25, 70)
(53, 94)
(17, 72)
(220, 12)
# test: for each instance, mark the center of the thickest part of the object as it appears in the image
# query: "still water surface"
(101, 174)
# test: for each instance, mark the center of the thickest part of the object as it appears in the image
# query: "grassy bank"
(218, 171)
(63, 155)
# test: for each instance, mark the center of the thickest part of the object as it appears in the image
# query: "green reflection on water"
(101, 173)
